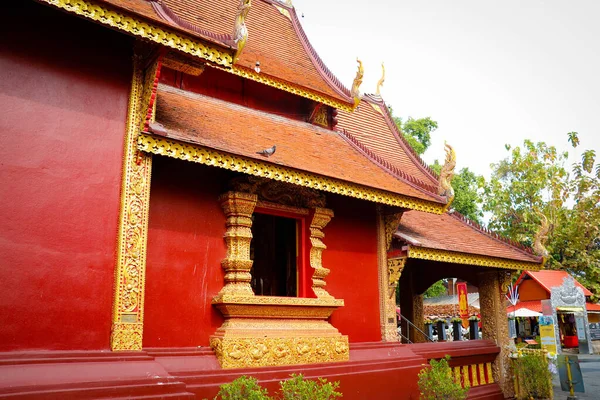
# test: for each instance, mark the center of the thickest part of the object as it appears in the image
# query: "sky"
(489, 72)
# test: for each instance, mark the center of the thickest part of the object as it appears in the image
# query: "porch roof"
(451, 237)
(306, 155)
(548, 279)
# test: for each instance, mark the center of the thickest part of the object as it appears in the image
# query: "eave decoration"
(470, 259)
(381, 80)
(541, 236)
(240, 31)
(357, 82)
(444, 187)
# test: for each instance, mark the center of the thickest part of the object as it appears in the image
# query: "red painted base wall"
(64, 85)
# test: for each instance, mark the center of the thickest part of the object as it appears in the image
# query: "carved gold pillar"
(320, 219)
(395, 268)
(238, 208)
(492, 285)
(417, 337)
(130, 270)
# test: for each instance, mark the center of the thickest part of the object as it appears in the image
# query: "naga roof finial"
(240, 32)
(380, 83)
(541, 236)
(357, 81)
(444, 187)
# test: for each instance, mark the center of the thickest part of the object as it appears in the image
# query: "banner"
(463, 300)
(547, 334)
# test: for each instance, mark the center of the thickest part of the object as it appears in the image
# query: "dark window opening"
(273, 249)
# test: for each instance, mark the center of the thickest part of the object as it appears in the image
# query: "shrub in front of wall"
(299, 388)
(243, 388)
(438, 383)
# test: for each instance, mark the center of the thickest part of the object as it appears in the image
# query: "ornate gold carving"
(260, 352)
(279, 192)
(286, 86)
(282, 207)
(238, 208)
(150, 85)
(541, 236)
(240, 32)
(205, 156)
(381, 80)
(446, 175)
(395, 267)
(136, 27)
(357, 82)
(130, 270)
(277, 307)
(187, 65)
(490, 375)
(392, 221)
(474, 382)
(320, 116)
(321, 218)
(470, 259)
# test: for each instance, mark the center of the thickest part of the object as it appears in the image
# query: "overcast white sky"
(490, 72)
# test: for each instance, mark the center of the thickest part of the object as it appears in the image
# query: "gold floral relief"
(320, 219)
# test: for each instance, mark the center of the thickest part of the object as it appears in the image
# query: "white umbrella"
(524, 312)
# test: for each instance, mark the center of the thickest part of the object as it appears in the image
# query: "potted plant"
(429, 328)
(436, 382)
(456, 328)
(474, 327)
(441, 329)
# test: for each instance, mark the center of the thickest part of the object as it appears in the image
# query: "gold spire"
(380, 83)
(240, 32)
(357, 81)
(445, 188)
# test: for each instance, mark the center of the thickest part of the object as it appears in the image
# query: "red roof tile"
(551, 278)
(453, 233)
(536, 305)
(371, 125)
(235, 129)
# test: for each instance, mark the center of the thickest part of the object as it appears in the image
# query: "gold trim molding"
(202, 155)
(320, 219)
(288, 87)
(470, 259)
(130, 270)
(141, 29)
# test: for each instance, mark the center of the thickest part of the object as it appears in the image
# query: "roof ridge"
(378, 99)
(387, 166)
(494, 235)
(324, 71)
(163, 11)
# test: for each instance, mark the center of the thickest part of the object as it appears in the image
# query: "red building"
(191, 195)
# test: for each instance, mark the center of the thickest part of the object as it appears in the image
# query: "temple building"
(191, 196)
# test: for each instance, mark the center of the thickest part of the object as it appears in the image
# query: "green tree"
(533, 184)
(417, 132)
(435, 290)
(468, 189)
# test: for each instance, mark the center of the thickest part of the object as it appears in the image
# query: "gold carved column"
(320, 219)
(238, 208)
(492, 286)
(130, 269)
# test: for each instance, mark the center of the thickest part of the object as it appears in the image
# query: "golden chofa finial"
(357, 81)
(444, 187)
(380, 83)
(240, 32)
(541, 236)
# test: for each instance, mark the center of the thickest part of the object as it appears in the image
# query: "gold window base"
(271, 331)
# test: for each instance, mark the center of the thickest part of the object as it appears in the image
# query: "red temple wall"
(531, 290)
(351, 255)
(185, 249)
(63, 93)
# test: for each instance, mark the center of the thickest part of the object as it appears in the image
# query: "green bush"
(299, 388)
(243, 388)
(535, 378)
(437, 382)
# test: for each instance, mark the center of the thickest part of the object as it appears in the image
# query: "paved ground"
(590, 368)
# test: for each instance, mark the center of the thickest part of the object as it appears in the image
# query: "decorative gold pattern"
(259, 352)
(187, 65)
(279, 192)
(202, 155)
(321, 218)
(470, 259)
(320, 117)
(395, 267)
(381, 80)
(392, 221)
(387, 304)
(130, 270)
(357, 82)
(238, 208)
(541, 236)
(461, 374)
(281, 207)
(446, 175)
(240, 32)
(141, 29)
(490, 375)
(287, 87)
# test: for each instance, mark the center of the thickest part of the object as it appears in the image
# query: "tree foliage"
(534, 180)
(435, 290)
(417, 132)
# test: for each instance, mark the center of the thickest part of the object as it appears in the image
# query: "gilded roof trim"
(288, 87)
(471, 259)
(206, 156)
(146, 30)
